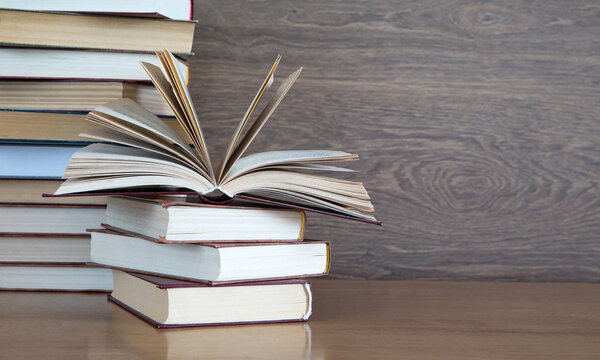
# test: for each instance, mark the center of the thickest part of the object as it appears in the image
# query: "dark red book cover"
(243, 198)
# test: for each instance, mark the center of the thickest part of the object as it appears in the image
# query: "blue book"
(35, 161)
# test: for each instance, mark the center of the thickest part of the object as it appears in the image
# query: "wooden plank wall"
(477, 123)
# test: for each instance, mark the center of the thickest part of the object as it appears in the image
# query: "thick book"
(171, 9)
(210, 263)
(32, 63)
(55, 277)
(30, 219)
(167, 303)
(31, 191)
(88, 31)
(153, 154)
(26, 161)
(44, 248)
(173, 221)
(49, 127)
(77, 96)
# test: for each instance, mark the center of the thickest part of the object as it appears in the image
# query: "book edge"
(167, 326)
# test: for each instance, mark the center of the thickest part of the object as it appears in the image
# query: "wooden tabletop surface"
(352, 319)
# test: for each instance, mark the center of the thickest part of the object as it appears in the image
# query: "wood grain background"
(477, 123)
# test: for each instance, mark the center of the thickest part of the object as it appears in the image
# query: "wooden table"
(352, 319)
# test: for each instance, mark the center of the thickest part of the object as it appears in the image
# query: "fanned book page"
(145, 153)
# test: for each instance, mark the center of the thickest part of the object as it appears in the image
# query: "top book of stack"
(25, 28)
(171, 9)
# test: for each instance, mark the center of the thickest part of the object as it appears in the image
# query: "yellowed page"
(128, 111)
(185, 99)
(121, 124)
(238, 131)
(270, 158)
(107, 134)
(262, 118)
(342, 191)
(120, 164)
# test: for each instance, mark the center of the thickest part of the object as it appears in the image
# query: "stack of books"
(193, 245)
(185, 243)
(61, 59)
(180, 263)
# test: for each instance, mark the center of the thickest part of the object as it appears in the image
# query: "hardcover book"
(31, 63)
(168, 303)
(88, 31)
(34, 161)
(77, 96)
(54, 277)
(173, 221)
(44, 248)
(172, 9)
(211, 263)
(30, 218)
(31, 191)
(49, 127)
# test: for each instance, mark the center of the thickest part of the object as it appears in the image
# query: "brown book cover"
(53, 29)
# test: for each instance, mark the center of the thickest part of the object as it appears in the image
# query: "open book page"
(81, 185)
(177, 104)
(119, 167)
(238, 131)
(285, 157)
(315, 167)
(168, 140)
(129, 111)
(185, 100)
(109, 135)
(166, 91)
(308, 202)
(341, 192)
(262, 119)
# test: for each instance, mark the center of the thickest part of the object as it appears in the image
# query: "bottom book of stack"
(56, 262)
(165, 302)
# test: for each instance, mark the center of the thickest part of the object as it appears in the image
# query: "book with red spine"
(168, 303)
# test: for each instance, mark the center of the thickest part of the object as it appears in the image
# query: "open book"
(155, 156)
